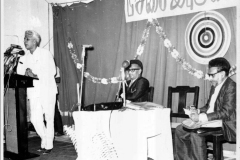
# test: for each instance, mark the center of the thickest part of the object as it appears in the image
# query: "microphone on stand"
(84, 46)
(16, 46)
(125, 64)
(21, 52)
(14, 49)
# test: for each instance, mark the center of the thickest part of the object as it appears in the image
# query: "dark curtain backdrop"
(102, 24)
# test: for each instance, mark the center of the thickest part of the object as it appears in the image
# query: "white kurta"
(41, 62)
(42, 96)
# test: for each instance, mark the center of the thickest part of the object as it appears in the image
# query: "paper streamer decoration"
(207, 36)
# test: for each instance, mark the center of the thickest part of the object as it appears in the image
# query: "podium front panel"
(10, 121)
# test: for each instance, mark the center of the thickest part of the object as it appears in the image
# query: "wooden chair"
(217, 140)
(182, 91)
(215, 136)
(150, 94)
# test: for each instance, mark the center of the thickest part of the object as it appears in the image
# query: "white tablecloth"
(127, 135)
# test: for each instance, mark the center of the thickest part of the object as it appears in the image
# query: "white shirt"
(203, 116)
(42, 64)
(214, 97)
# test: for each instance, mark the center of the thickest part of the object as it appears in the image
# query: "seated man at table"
(221, 105)
(137, 87)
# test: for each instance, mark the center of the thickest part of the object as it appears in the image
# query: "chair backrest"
(183, 91)
(150, 94)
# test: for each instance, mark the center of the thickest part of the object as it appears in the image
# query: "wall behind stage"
(24, 15)
(102, 24)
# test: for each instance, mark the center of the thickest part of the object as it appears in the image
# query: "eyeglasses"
(213, 74)
(133, 69)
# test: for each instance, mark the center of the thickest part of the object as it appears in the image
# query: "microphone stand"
(83, 66)
(117, 99)
(123, 86)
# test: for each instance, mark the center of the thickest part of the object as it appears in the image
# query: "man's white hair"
(35, 35)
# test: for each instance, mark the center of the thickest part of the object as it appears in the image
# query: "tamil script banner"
(136, 10)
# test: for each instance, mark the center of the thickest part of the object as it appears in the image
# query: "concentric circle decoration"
(207, 36)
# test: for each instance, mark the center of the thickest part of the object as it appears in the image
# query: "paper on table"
(143, 105)
(190, 109)
(187, 111)
(188, 123)
(212, 124)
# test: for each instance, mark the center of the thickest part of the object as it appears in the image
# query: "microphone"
(21, 52)
(125, 64)
(14, 49)
(16, 46)
(87, 46)
(17, 51)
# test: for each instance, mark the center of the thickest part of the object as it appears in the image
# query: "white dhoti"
(38, 109)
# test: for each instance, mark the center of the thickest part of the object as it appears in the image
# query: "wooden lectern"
(15, 116)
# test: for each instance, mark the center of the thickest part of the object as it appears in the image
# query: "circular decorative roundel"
(207, 36)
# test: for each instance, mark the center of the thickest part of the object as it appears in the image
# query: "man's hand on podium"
(30, 73)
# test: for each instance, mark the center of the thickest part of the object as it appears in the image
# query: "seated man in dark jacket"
(221, 105)
(137, 87)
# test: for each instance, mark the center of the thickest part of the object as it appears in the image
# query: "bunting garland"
(102, 80)
(73, 54)
(86, 74)
(175, 54)
(167, 43)
(143, 40)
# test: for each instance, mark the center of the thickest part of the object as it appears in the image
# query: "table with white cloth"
(123, 135)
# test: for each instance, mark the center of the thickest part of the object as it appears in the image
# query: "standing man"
(39, 63)
(220, 106)
(137, 87)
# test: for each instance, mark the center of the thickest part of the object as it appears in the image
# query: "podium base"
(14, 156)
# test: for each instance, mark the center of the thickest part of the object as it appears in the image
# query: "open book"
(188, 123)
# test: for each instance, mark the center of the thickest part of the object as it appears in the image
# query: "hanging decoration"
(143, 40)
(207, 36)
(175, 54)
(86, 74)
(167, 43)
(102, 80)
(73, 54)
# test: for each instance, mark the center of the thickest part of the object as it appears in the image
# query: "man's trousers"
(46, 108)
(189, 145)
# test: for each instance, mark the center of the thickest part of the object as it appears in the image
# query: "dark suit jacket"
(138, 91)
(225, 109)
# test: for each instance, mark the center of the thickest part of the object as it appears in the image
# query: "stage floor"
(63, 148)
